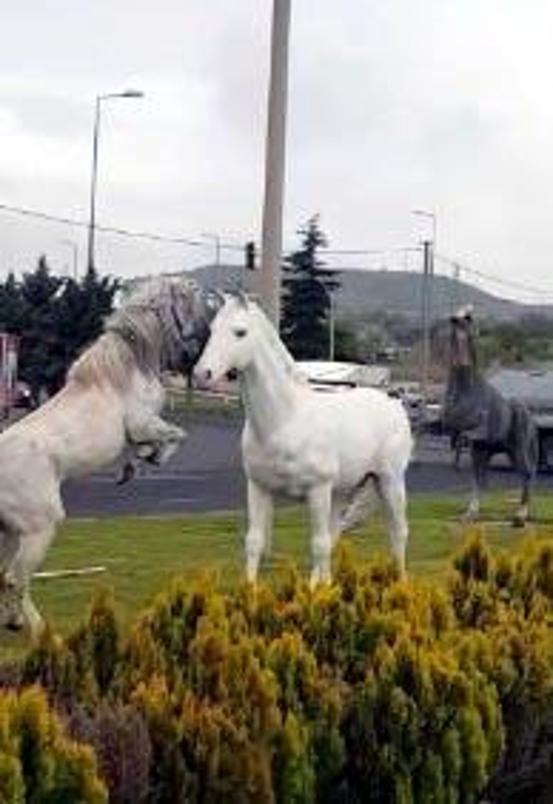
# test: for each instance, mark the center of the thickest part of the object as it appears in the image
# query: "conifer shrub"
(372, 689)
(39, 762)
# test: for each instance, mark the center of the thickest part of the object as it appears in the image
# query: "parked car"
(22, 396)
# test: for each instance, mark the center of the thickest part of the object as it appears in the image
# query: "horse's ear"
(216, 294)
(240, 297)
(243, 299)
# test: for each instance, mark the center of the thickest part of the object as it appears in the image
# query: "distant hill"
(398, 292)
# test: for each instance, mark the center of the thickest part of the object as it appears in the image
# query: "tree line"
(55, 318)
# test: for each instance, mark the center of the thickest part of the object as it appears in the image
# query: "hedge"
(370, 690)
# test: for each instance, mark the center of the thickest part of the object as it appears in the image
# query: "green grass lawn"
(142, 554)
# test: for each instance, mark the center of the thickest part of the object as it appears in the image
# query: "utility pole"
(266, 280)
(456, 286)
(426, 308)
(217, 243)
(429, 246)
(331, 324)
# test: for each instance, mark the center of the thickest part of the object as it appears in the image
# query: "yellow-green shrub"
(39, 763)
(370, 690)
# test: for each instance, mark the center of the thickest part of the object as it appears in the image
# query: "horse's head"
(188, 315)
(463, 350)
(231, 344)
(184, 311)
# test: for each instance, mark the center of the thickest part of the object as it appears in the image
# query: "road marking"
(189, 476)
(171, 500)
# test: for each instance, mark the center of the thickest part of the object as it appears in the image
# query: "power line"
(501, 281)
(199, 243)
(186, 241)
(369, 251)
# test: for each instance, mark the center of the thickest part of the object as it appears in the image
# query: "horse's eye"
(240, 333)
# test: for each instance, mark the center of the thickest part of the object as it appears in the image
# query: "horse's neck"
(269, 390)
(462, 380)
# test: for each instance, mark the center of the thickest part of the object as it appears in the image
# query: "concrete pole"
(266, 280)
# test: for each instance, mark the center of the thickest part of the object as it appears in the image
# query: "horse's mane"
(145, 333)
(270, 333)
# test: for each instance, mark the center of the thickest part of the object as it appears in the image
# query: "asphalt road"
(206, 475)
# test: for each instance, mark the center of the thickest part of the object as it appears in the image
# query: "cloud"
(395, 105)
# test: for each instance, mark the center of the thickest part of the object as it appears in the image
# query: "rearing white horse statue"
(110, 402)
(327, 448)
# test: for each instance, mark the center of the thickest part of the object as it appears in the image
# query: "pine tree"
(55, 319)
(80, 313)
(306, 298)
(37, 364)
(11, 306)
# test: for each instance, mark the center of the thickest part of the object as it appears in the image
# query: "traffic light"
(250, 255)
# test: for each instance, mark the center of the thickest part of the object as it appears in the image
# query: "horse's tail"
(525, 434)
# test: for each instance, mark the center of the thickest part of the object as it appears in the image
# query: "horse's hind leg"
(9, 545)
(521, 514)
(524, 453)
(11, 615)
(527, 464)
(391, 488)
(350, 512)
(32, 549)
(320, 511)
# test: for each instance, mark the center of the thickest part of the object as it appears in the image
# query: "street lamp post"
(128, 93)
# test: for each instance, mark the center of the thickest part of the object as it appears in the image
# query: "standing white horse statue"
(110, 402)
(324, 447)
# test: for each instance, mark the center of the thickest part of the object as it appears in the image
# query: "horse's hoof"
(126, 474)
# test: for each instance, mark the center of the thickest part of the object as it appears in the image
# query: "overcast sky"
(444, 105)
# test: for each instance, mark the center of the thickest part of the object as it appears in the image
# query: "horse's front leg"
(480, 457)
(260, 523)
(320, 511)
(153, 439)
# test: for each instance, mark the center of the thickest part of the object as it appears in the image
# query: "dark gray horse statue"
(492, 424)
